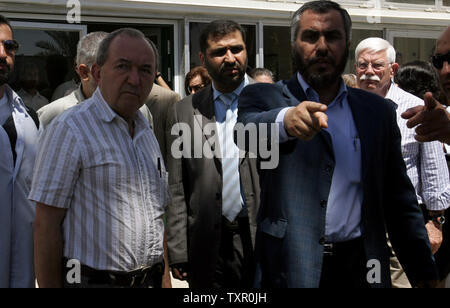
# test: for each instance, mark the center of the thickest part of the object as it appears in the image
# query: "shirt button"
(328, 168)
(323, 203)
(322, 241)
(218, 196)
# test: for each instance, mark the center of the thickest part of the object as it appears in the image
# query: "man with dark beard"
(211, 221)
(341, 180)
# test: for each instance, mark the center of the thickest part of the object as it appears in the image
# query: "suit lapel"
(204, 114)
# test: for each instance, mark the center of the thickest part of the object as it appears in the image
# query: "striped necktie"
(231, 191)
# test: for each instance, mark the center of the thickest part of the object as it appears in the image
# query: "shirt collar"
(22, 92)
(107, 114)
(12, 96)
(312, 94)
(237, 91)
(79, 94)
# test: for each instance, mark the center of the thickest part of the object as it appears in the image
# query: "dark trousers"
(235, 266)
(344, 266)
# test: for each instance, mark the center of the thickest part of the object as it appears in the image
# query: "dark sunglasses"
(10, 45)
(438, 60)
(196, 88)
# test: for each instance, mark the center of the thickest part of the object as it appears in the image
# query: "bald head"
(442, 51)
(444, 38)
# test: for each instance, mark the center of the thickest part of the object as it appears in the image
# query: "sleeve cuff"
(280, 121)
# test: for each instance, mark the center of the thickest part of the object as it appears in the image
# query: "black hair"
(5, 21)
(321, 7)
(218, 29)
(417, 78)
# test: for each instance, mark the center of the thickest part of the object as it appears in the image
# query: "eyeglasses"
(438, 60)
(10, 45)
(196, 88)
(377, 66)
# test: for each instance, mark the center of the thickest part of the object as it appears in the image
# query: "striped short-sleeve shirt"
(113, 186)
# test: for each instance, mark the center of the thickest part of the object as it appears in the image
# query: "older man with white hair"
(425, 162)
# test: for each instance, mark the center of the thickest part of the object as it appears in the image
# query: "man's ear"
(394, 67)
(96, 72)
(83, 71)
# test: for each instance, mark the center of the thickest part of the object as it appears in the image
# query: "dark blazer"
(193, 227)
(291, 222)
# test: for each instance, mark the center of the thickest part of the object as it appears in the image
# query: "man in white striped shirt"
(425, 162)
(99, 174)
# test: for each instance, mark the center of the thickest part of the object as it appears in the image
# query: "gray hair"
(376, 44)
(103, 50)
(321, 7)
(87, 48)
(260, 71)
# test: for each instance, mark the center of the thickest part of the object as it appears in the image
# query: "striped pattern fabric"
(425, 162)
(114, 187)
(231, 192)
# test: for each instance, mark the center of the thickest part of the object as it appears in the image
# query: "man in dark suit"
(341, 181)
(211, 222)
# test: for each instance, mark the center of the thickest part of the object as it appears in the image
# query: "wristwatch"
(436, 217)
(440, 220)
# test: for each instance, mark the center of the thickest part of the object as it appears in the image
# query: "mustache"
(130, 90)
(3, 61)
(235, 65)
(321, 59)
(371, 78)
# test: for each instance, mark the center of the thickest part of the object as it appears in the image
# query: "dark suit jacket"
(193, 227)
(291, 222)
(160, 101)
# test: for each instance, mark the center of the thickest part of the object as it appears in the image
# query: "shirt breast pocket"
(106, 166)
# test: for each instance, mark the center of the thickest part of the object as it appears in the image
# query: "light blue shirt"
(220, 111)
(343, 216)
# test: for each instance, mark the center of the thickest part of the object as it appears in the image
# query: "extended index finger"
(430, 102)
(417, 118)
(409, 113)
(314, 107)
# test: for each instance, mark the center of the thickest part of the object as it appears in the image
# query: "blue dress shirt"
(343, 217)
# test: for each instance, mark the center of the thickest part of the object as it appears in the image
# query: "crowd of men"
(130, 182)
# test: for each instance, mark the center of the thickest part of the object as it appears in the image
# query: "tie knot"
(228, 98)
